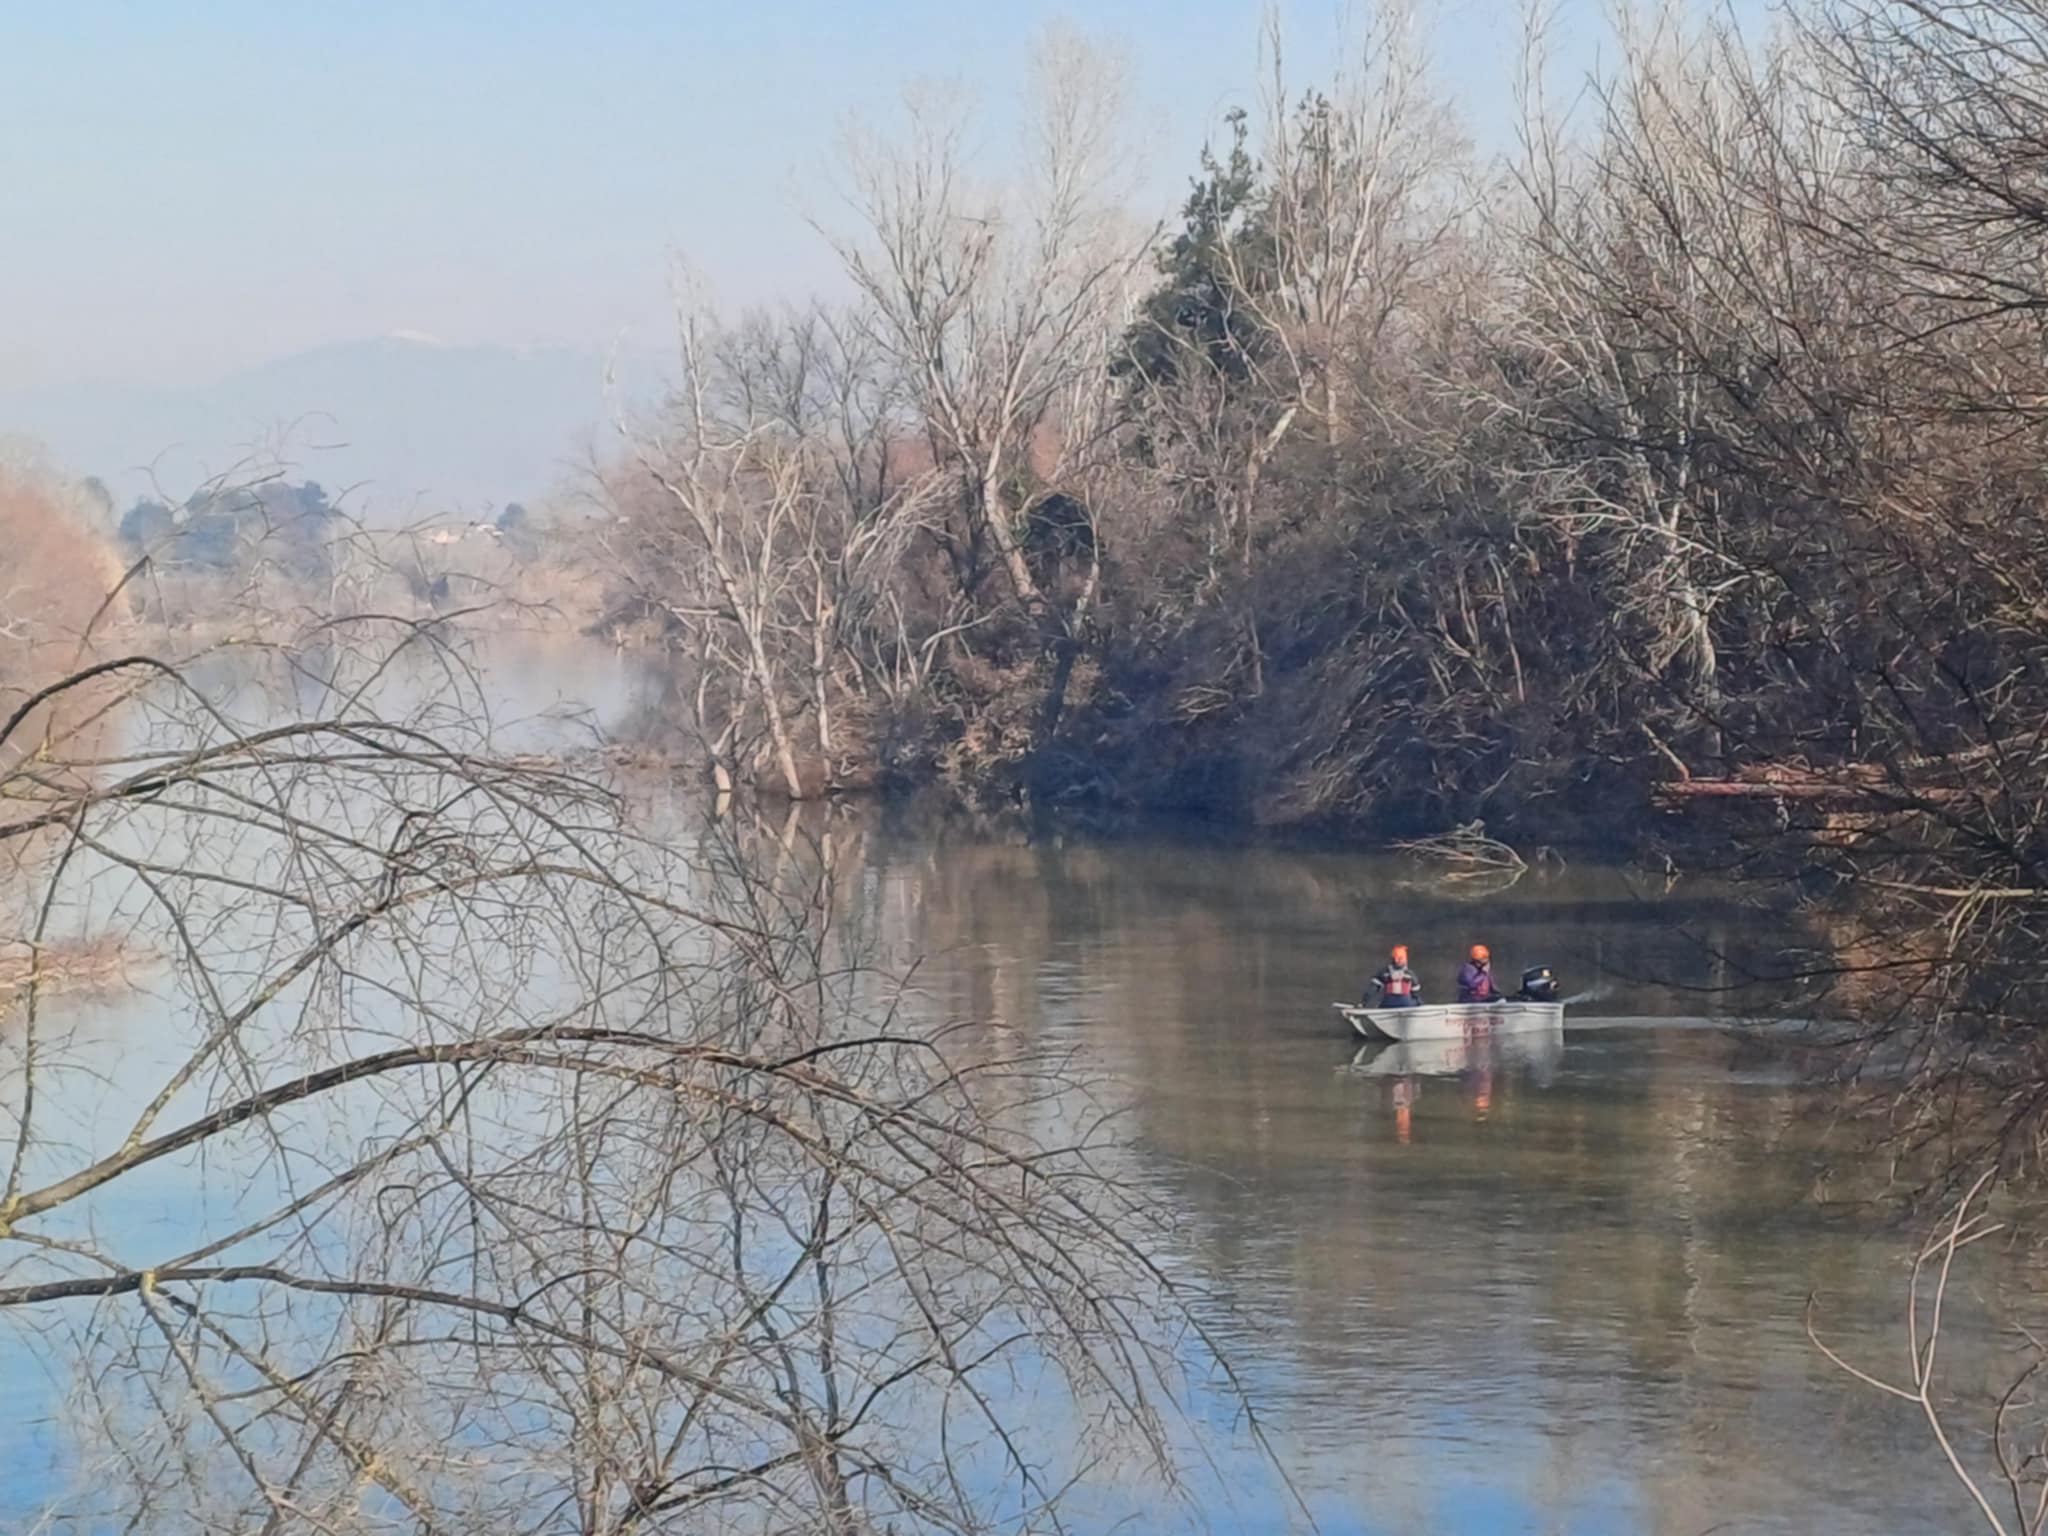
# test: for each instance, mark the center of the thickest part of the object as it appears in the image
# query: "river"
(1523, 1291)
(1506, 1295)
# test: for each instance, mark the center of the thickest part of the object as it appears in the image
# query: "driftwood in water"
(1465, 850)
(1466, 862)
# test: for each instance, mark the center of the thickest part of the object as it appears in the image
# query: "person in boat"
(1475, 978)
(1398, 986)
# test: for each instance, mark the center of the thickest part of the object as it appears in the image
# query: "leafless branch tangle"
(483, 1160)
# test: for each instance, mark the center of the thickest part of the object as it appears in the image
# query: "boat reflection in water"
(1473, 1060)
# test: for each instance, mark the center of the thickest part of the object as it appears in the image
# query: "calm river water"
(1542, 1291)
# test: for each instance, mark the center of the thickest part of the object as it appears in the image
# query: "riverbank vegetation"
(252, 543)
(1699, 439)
(58, 572)
(1683, 470)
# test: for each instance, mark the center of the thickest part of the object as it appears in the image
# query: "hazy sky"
(193, 185)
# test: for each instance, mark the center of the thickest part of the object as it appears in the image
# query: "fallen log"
(1862, 786)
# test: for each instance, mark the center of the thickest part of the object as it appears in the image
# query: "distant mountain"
(422, 427)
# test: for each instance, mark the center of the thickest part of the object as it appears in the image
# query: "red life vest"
(1397, 981)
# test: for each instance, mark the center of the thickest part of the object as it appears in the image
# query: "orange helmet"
(1481, 952)
(1400, 954)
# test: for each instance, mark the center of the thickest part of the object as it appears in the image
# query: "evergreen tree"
(1222, 258)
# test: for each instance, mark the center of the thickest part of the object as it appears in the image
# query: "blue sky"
(186, 188)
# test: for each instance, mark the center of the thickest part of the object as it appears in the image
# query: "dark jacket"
(1475, 983)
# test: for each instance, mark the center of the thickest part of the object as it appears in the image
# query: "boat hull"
(1452, 1021)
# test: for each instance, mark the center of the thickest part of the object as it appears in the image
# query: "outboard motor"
(1539, 985)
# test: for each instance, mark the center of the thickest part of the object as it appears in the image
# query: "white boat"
(1452, 1021)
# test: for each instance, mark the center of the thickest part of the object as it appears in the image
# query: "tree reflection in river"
(1516, 1289)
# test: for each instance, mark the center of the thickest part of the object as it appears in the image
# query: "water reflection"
(1547, 1283)
(1479, 1065)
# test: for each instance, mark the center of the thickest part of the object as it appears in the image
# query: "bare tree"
(537, 1167)
(738, 497)
(998, 306)
(1362, 186)
(764, 517)
(2019, 1448)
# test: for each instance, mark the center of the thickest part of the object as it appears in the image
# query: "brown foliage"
(59, 573)
(60, 580)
